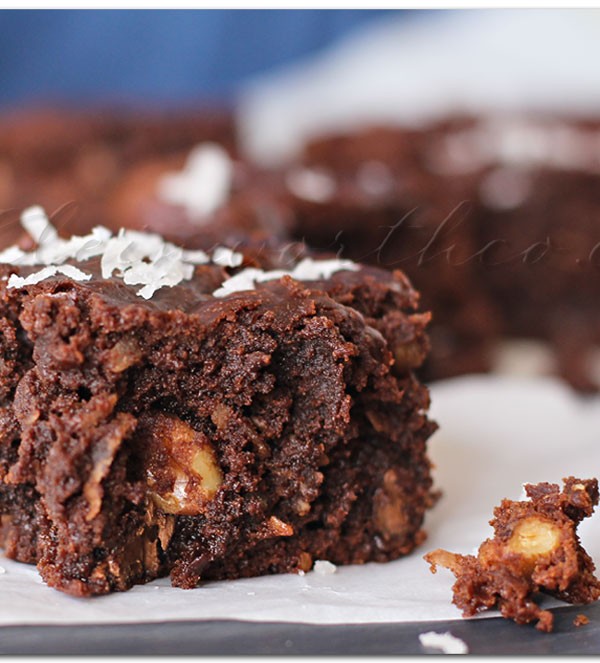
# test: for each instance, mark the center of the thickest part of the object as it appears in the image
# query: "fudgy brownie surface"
(210, 431)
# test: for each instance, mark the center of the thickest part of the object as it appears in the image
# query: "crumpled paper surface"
(496, 432)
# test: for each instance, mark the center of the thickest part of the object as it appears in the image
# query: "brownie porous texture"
(208, 435)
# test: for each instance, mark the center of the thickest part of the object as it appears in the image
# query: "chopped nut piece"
(409, 356)
(122, 355)
(581, 620)
(183, 473)
(274, 527)
(535, 549)
(533, 537)
(206, 468)
(305, 562)
(279, 528)
(221, 416)
(302, 507)
(389, 507)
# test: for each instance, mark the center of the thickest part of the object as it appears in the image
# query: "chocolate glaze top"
(252, 270)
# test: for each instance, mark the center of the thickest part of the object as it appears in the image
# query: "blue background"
(155, 55)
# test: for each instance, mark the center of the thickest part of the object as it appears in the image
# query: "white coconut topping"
(375, 178)
(68, 270)
(324, 568)
(445, 642)
(203, 185)
(138, 258)
(141, 259)
(226, 257)
(35, 222)
(306, 270)
(517, 142)
(2, 570)
(51, 249)
(310, 184)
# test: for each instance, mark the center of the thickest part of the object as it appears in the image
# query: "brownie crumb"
(581, 620)
(324, 568)
(535, 548)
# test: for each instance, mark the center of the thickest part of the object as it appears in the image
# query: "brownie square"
(204, 430)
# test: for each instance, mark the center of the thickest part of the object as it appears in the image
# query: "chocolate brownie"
(536, 206)
(535, 549)
(523, 250)
(69, 161)
(205, 415)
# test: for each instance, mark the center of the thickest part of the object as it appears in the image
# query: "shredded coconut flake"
(306, 270)
(204, 183)
(445, 642)
(138, 258)
(12, 256)
(314, 185)
(226, 257)
(142, 259)
(37, 225)
(199, 257)
(324, 568)
(68, 270)
(521, 143)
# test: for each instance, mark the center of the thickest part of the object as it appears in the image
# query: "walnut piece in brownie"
(535, 549)
(177, 413)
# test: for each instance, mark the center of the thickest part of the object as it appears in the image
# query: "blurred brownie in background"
(70, 161)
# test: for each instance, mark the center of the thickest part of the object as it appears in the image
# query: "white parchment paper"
(496, 433)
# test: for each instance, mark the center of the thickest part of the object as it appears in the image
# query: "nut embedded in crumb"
(274, 527)
(535, 548)
(183, 471)
(305, 562)
(124, 354)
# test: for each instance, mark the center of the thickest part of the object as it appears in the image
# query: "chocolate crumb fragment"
(535, 548)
